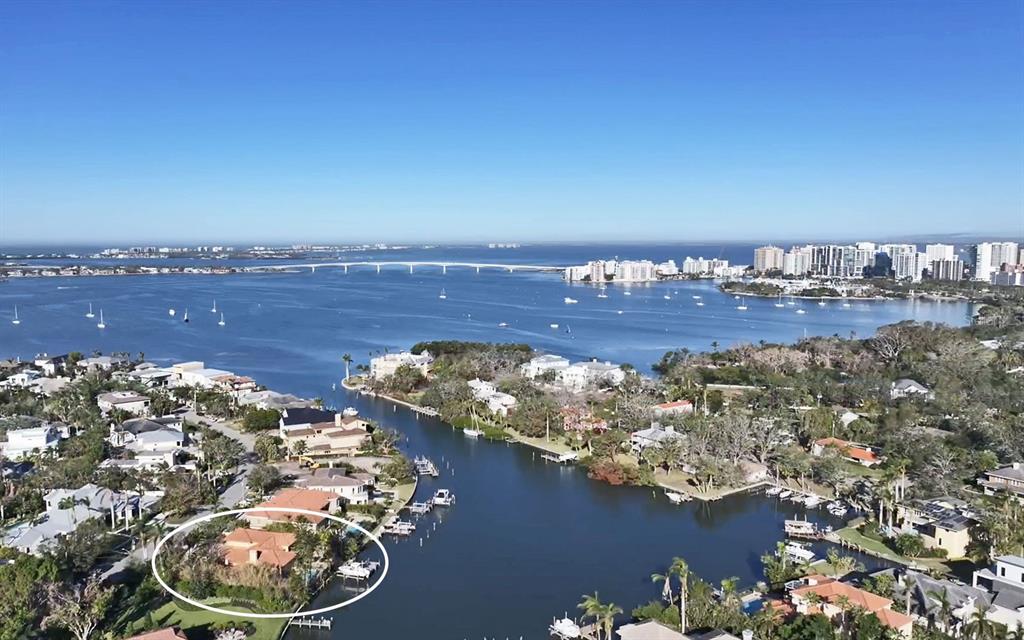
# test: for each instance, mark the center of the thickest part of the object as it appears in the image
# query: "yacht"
(443, 295)
(101, 324)
(676, 498)
(221, 323)
(801, 311)
(90, 314)
(700, 304)
(798, 552)
(357, 570)
(171, 312)
(443, 498)
(667, 297)
(16, 320)
(502, 324)
(568, 300)
(553, 325)
(695, 297)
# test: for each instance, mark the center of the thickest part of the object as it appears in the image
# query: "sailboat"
(214, 309)
(16, 320)
(602, 294)
(443, 295)
(221, 323)
(474, 432)
(101, 324)
(779, 305)
(186, 316)
(90, 314)
(821, 303)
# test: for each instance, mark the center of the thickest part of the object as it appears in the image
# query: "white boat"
(676, 498)
(695, 297)
(774, 490)
(101, 324)
(16, 319)
(846, 305)
(785, 493)
(565, 629)
(619, 312)
(821, 303)
(627, 293)
(779, 305)
(356, 570)
(812, 501)
(221, 323)
(90, 314)
(502, 324)
(171, 312)
(214, 309)
(553, 325)
(797, 498)
(185, 319)
(443, 498)
(742, 307)
(602, 294)
(700, 304)
(569, 300)
(443, 295)
(472, 433)
(667, 297)
(350, 412)
(735, 297)
(801, 311)
(798, 552)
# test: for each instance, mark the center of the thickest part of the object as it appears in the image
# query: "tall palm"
(607, 618)
(908, 590)
(593, 609)
(979, 627)
(945, 606)
(667, 579)
(680, 569)
(1018, 633)
(347, 359)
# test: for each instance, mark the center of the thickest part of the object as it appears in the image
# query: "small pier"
(420, 508)
(562, 458)
(399, 528)
(425, 467)
(311, 623)
(802, 529)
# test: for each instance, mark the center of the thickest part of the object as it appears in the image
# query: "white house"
(21, 380)
(105, 363)
(353, 490)
(50, 365)
(1006, 581)
(387, 364)
(127, 401)
(584, 375)
(542, 364)
(497, 402)
(654, 436)
(23, 443)
(905, 387)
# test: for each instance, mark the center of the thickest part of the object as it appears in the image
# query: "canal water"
(526, 538)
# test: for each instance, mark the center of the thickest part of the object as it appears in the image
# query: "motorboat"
(565, 629)
(695, 297)
(676, 498)
(185, 319)
(553, 325)
(797, 551)
(742, 307)
(171, 312)
(773, 490)
(812, 501)
(502, 324)
(619, 312)
(356, 570)
(602, 294)
(569, 300)
(627, 293)
(700, 304)
(785, 493)
(801, 311)
(667, 297)
(443, 498)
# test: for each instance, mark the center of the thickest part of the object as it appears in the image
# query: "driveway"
(235, 491)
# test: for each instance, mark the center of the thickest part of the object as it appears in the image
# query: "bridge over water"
(411, 265)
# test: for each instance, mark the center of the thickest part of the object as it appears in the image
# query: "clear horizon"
(432, 122)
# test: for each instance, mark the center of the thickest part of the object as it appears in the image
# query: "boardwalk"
(410, 265)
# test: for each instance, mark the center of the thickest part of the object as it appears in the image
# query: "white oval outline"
(297, 614)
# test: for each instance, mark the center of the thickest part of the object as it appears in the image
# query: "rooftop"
(306, 415)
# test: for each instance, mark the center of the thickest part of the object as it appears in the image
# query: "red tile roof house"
(833, 595)
(306, 499)
(255, 547)
(679, 407)
(858, 453)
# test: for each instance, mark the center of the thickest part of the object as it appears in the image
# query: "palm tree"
(347, 359)
(908, 590)
(593, 609)
(979, 627)
(945, 606)
(607, 618)
(680, 569)
(667, 579)
(1018, 633)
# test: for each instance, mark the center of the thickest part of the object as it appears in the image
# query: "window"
(1002, 572)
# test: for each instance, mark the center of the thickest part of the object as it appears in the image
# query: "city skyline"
(522, 122)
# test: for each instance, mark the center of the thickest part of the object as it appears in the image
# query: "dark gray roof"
(306, 415)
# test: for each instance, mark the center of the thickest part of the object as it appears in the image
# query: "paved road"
(235, 491)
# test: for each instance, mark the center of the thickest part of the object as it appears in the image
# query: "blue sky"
(433, 121)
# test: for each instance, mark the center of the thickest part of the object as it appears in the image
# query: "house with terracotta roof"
(257, 547)
(293, 498)
(859, 453)
(324, 433)
(677, 408)
(829, 597)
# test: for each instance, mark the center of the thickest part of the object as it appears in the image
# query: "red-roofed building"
(679, 407)
(253, 546)
(858, 453)
(834, 596)
(292, 498)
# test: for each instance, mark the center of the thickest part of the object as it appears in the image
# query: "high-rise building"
(938, 252)
(898, 249)
(981, 256)
(908, 266)
(768, 258)
(947, 269)
(1004, 253)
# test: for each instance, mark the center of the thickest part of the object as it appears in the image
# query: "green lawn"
(196, 624)
(876, 547)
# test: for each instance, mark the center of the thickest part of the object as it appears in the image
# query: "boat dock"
(399, 528)
(562, 458)
(805, 530)
(311, 623)
(420, 508)
(425, 467)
